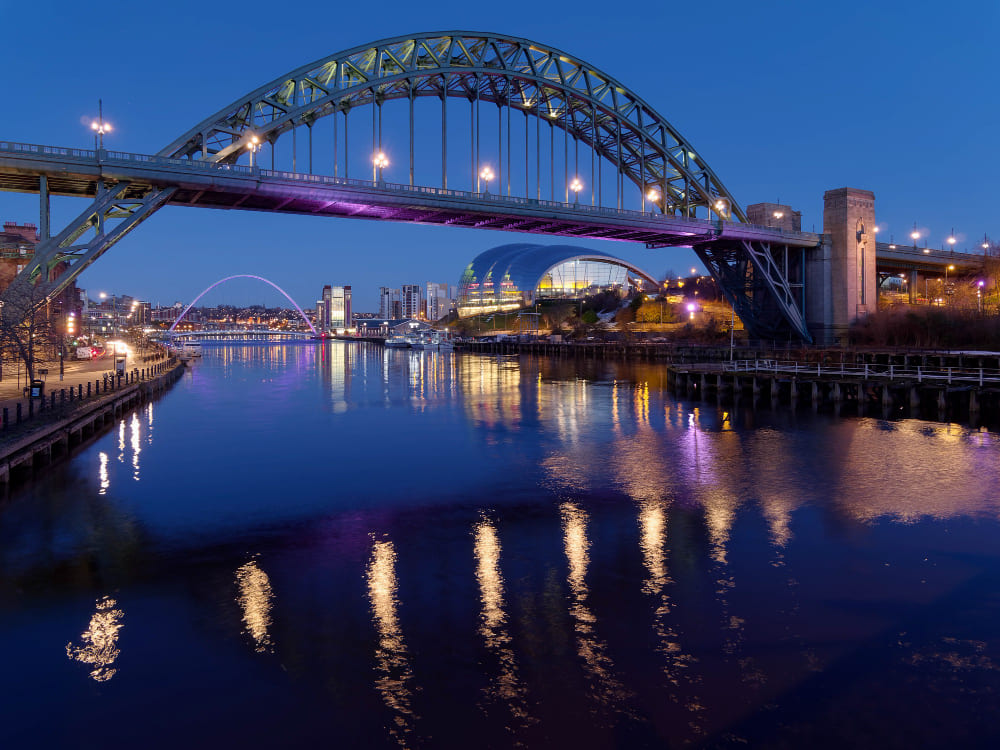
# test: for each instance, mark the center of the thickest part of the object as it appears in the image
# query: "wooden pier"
(964, 393)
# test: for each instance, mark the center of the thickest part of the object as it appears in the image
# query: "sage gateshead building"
(510, 277)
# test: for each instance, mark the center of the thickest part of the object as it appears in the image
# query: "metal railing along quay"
(979, 375)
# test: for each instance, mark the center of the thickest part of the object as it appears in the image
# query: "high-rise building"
(389, 303)
(340, 308)
(438, 301)
(411, 299)
(324, 306)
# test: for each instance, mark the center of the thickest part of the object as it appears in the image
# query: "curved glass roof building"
(512, 276)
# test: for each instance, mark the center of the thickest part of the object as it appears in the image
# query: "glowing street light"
(486, 174)
(915, 235)
(653, 196)
(576, 186)
(100, 126)
(951, 239)
(253, 147)
(379, 162)
(721, 208)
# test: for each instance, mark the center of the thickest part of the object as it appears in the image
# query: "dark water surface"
(342, 546)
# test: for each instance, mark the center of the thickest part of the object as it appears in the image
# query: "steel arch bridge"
(656, 189)
(242, 276)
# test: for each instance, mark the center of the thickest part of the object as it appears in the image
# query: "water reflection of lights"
(102, 473)
(605, 687)
(491, 390)
(99, 642)
(136, 449)
(255, 599)
(506, 685)
(121, 441)
(391, 658)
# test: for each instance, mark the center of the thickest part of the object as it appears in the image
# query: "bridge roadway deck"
(76, 172)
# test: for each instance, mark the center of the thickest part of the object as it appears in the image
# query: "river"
(333, 543)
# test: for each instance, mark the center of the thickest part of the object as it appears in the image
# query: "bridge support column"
(840, 274)
(913, 286)
(44, 221)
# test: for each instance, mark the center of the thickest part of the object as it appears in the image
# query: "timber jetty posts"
(948, 390)
(46, 440)
(933, 383)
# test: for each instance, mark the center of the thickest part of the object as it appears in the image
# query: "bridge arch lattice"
(564, 91)
(242, 276)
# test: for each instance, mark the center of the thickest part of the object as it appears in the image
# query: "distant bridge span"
(242, 276)
(638, 180)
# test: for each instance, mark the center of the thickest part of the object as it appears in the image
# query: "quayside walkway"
(73, 409)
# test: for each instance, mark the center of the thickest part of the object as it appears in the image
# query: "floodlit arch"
(242, 276)
(537, 80)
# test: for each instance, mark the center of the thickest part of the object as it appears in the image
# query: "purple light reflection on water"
(445, 550)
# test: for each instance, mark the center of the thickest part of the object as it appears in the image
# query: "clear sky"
(783, 99)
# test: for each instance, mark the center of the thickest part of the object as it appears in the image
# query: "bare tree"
(27, 330)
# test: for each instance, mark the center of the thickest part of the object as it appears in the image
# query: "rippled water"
(337, 544)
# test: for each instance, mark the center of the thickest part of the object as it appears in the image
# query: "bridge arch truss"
(521, 78)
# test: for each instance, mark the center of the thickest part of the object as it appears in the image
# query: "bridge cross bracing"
(646, 182)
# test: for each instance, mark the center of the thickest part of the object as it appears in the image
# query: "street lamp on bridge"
(100, 126)
(379, 162)
(576, 186)
(486, 174)
(952, 240)
(253, 147)
(915, 235)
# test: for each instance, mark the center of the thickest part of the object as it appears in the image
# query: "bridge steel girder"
(757, 287)
(560, 89)
(57, 261)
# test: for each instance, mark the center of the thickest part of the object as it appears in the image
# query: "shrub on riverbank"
(928, 328)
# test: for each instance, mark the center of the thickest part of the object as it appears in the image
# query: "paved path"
(76, 372)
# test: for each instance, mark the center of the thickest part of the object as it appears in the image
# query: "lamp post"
(576, 186)
(979, 295)
(379, 162)
(253, 147)
(653, 195)
(952, 240)
(100, 127)
(915, 235)
(485, 175)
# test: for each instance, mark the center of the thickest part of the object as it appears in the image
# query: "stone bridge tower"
(841, 272)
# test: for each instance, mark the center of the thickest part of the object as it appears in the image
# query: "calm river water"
(340, 545)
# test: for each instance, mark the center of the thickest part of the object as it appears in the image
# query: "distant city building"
(412, 300)
(389, 307)
(438, 301)
(324, 307)
(17, 248)
(340, 308)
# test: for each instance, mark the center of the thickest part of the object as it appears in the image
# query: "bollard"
(18, 413)
(62, 396)
(6, 418)
(31, 407)
(79, 393)
(88, 389)
(71, 394)
(52, 403)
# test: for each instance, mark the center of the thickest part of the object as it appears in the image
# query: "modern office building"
(333, 311)
(389, 306)
(412, 301)
(340, 308)
(438, 301)
(324, 306)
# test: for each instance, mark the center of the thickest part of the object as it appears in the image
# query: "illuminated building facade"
(509, 277)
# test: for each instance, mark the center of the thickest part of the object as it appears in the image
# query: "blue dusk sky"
(784, 100)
